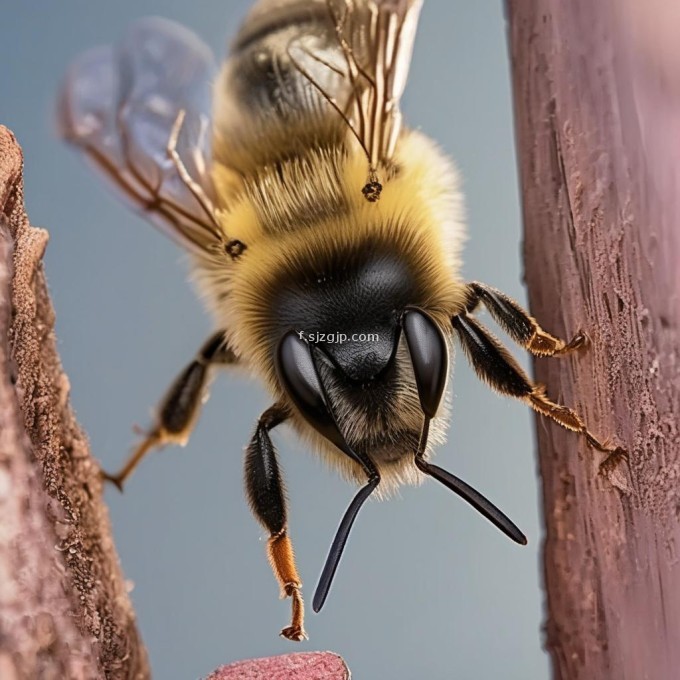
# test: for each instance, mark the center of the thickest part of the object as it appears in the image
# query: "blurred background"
(427, 588)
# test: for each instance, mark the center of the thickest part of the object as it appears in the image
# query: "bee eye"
(429, 356)
(299, 376)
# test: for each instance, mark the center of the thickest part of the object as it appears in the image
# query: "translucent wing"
(375, 38)
(140, 112)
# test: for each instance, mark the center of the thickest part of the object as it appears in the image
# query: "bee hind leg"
(492, 362)
(264, 487)
(178, 410)
(520, 325)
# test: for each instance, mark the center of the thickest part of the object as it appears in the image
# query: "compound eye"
(429, 356)
(299, 376)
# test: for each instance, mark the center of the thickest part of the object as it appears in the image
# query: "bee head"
(351, 312)
(358, 370)
(344, 294)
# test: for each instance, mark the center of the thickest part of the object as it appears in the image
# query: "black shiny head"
(351, 310)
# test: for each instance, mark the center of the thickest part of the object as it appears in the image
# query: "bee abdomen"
(269, 104)
(269, 17)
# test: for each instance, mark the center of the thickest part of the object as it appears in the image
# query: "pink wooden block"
(305, 666)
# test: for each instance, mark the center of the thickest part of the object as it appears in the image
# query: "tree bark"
(64, 608)
(597, 107)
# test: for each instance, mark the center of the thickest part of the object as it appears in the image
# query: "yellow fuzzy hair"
(304, 210)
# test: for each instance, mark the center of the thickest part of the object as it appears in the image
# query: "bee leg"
(264, 488)
(178, 411)
(519, 324)
(494, 365)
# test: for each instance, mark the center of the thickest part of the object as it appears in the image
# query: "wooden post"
(64, 607)
(597, 106)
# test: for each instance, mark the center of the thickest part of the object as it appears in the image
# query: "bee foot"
(294, 633)
(113, 479)
(579, 343)
(614, 468)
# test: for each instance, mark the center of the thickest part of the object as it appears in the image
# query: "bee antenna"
(429, 357)
(297, 369)
(342, 533)
(338, 545)
(483, 505)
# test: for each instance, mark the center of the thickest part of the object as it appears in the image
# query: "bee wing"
(125, 107)
(375, 39)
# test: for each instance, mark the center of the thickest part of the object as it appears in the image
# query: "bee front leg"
(264, 488)
(179, 408)
(495, 366)
(519, 324)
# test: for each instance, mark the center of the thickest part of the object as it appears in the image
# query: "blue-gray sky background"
(427, 588)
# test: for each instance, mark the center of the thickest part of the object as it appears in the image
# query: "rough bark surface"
(64, 608)
(597, 104)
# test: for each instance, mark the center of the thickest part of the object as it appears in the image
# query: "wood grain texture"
(64, 607)
(597, 107)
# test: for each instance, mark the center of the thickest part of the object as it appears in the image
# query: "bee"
(309, 211)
